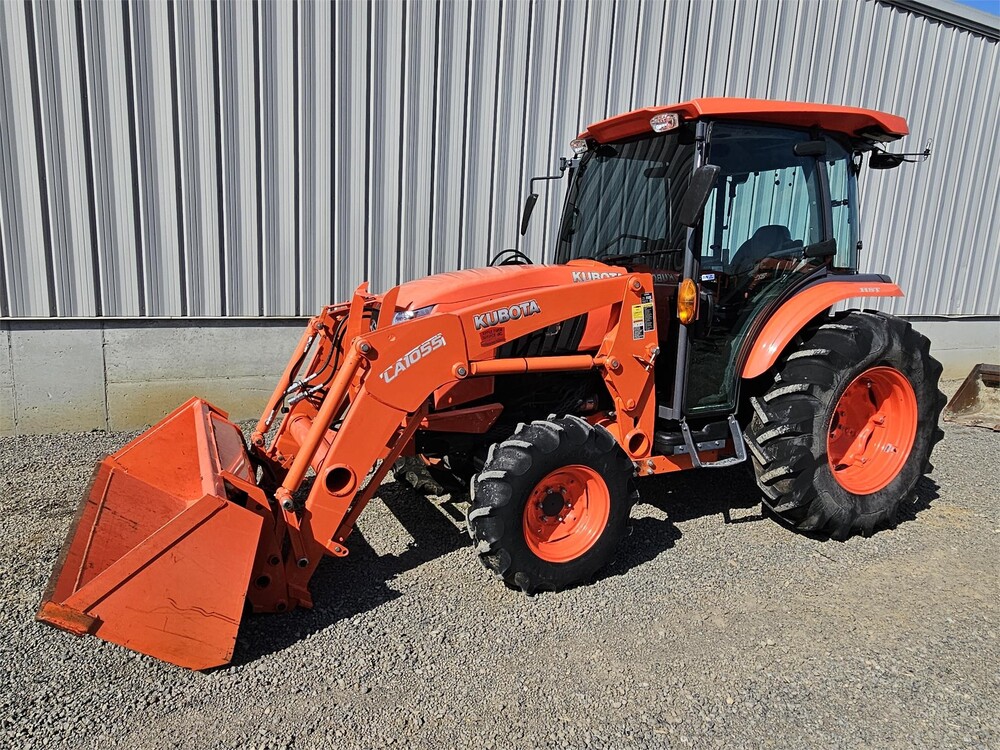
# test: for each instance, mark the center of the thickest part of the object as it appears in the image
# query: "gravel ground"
(702, 633)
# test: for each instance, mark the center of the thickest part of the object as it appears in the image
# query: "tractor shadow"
(669, 499)
(345, 588)
(925, 493)
(361, 582)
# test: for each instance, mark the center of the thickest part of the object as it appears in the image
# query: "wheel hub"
(553, 503)
(872, 430)
(566, 513)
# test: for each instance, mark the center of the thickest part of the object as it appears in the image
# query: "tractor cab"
(781, 213)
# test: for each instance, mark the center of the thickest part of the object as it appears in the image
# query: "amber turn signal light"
(687, 301)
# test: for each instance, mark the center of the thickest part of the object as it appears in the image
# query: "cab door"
(768, 209)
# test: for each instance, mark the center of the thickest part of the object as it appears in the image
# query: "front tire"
(551, 505)
(846, 430)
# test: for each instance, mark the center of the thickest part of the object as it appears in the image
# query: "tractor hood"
(457, 287)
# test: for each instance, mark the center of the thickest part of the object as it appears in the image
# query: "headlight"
(404, 315)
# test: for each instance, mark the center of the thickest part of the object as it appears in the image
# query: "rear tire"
(846, 430)
(551, 505)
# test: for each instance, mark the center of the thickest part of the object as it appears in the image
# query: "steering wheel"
(510, 257)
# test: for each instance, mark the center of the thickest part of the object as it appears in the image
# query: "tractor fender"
(796, 312)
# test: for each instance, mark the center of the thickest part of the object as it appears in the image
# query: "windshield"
(624, 199)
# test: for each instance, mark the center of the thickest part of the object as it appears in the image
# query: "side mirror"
(693, 203)
(884, 160)
(529, 206)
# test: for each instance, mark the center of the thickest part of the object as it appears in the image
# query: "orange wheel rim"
(872, 430)
(566, 513)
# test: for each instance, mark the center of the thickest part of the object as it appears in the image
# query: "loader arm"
(382, 389)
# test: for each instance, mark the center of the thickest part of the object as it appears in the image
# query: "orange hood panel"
(456, 288)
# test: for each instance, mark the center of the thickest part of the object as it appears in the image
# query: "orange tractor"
(687, 322)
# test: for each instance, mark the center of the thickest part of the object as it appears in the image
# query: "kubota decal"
(579, 276)
(412, 357)
(506, 314)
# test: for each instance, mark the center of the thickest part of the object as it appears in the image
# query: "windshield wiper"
(639, 254)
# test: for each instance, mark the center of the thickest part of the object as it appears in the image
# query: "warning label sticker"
(648, 319)
(643, 318)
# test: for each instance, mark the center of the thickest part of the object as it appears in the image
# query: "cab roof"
(851, 121)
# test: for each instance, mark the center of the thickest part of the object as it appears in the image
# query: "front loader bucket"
(158, 559)
(977, 401)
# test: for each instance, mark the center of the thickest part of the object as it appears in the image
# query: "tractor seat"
(766, 240)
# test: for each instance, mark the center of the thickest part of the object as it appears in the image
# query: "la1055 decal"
(412, 357)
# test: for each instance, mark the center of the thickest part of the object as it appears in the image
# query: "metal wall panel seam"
(182, 263)
(452, 102)
(765, 64)
(482, 251)
(463, 164)
(8, 229)
(138, 212)
(61, 105)
(258, 155)
(40, 154)
(536, 154)
(83, 69)
(220, 147)
(611, 53)
(719, 49)
(297, 154)
(401, 135)
(482, 91)
(546, 161)
(418, 152)
(524, 103)
(353, 140)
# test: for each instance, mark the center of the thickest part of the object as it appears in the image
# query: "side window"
(766, 205)
(843, 205)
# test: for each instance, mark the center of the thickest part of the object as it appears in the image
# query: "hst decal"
(412, 357)
(506, 314)
(579, 276)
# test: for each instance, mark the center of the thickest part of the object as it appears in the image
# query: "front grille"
(561, 338)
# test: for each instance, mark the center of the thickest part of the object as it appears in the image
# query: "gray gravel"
(701, 634)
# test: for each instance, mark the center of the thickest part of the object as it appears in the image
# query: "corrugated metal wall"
(246, 159)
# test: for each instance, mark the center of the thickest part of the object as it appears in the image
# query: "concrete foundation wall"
(121, 375)
(961, 344)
